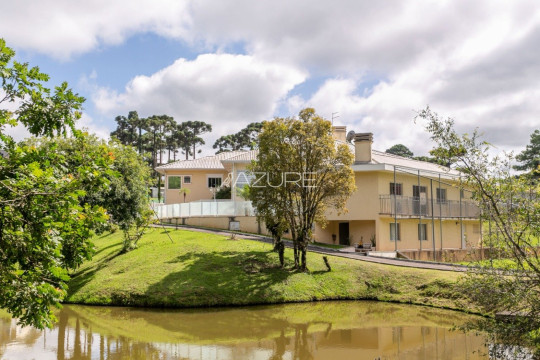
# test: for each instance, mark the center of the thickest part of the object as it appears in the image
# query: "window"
(187, 179)
(441, 195)
(422, 231)
(175, 182)
(396, 189)
(214, 182)
(243, 178)
(417, 190)
(393, 234)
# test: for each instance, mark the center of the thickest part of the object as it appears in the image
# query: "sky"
(374, 64)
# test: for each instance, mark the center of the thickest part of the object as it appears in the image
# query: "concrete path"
(327, 251)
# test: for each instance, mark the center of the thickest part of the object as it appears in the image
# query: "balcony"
(413, 207)
(203, 208)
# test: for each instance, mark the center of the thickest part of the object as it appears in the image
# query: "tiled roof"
(243, 156)
(247, 156)
(207, 162)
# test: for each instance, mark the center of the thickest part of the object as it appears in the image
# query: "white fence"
(204, 208)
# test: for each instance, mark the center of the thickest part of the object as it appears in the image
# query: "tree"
(188, 135)
(245, 139)
(315, 174)
(185, 192)
(530, 157)
(400, 150)
(270, 205)
(44, 229)
(511, 205)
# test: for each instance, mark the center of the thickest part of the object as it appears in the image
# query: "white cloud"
(228, 91)
(476, 61)
(87, 123)
(61, 28)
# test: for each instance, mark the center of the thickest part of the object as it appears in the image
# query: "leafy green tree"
(511, 207)
(44, 229)
(316, 174)
(123, 189)
(530, 157)
(400, 150)
(245, 139)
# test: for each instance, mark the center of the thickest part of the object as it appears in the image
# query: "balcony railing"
(414, 207)
(204, 208)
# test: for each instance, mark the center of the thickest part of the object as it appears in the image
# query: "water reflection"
(331, 330)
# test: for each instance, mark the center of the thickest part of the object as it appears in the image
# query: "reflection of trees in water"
(125, 333)
(304, 344)
(81, 344)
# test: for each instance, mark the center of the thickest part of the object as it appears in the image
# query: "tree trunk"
(281, 253)
(296, 260)
(304, 263)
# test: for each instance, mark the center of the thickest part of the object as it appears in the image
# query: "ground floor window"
(187, 179)
(174, 182)
(395, 235)
(214, 182)
(422, 231)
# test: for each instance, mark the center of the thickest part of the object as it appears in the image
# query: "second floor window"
(441, 195)
(396, 189)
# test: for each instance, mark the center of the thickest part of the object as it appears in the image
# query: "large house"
(400, 204)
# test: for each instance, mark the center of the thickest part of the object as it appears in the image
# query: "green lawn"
(200, 269)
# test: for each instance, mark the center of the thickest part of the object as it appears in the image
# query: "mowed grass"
(200, 269)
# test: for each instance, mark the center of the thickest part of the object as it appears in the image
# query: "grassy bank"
(199, 269)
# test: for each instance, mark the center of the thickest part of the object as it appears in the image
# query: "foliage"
(245, 139)
(185, 192)
(512, 206)
(530, 157)
(400, 150)
(224, 192)
(123, 189)
(44, 228)
(191, 131)
(154, 135)
(316, 174)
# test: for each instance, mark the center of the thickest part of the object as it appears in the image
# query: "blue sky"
(233, 62)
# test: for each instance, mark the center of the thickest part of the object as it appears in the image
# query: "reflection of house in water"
(132, 334)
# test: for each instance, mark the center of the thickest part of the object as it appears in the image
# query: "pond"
(324, 330)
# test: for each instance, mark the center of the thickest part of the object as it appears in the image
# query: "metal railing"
(203, 208)
(415, 207)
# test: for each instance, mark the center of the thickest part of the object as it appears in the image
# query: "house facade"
(399, 204)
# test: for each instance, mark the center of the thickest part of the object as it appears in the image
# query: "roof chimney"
(362, 147)
(339, 133)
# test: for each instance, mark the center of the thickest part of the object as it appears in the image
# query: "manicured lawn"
(199, 269)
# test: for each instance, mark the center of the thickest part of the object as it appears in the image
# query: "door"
(419, 200)
(344, 234)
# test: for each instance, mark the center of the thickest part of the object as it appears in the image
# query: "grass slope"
(200, 269)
